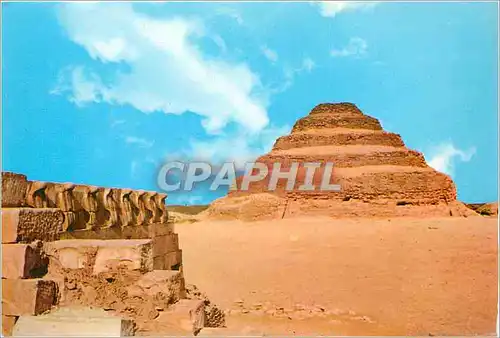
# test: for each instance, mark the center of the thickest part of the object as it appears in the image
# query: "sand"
(368, 276)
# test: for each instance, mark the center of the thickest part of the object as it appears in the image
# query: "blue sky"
(104, 94)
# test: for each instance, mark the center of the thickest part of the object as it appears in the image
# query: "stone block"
(165, 244)
(104, 255)
(173, 260)
(159, 263)
(29, 224)
(28, 296)
(189, 314)
(163, 286)
(127, 232)
(14, 187)
(131, 254)
(72, 254)
(160, 229)
(74, 322)
(22, 261)
(8, 323)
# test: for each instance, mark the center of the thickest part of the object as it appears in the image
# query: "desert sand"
(325, 276)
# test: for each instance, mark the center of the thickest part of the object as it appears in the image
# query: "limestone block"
(160, 229)
(84, 198)
(106, 208)
(189, 314)
(137, 207)
(164, 286)
(124, 206)
(173, 260)
(69, 221)
(149, 206)
(8, 323)
(14, 188)
(22, 261)
(129, 254)
(72, 254)
(165, 244)
(74, 322)
(159, 263)
(105, 255)
(30, 224)
(127, 232)
(161, 214)
(60, 195)
(28, 296)
(36, 195)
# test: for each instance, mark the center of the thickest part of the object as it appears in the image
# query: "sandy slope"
(407, 276)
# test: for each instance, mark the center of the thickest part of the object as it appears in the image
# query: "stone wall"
(86, 207)
(53, 230)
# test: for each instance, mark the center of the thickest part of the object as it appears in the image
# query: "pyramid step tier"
(322, 121)
(338, 137)
(342, 108)
(409, 185)
(345, 156)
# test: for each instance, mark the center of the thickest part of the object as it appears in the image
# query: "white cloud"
(231, 13)
(270, 54)
(444, 157)
(167, 70)
(219, 41)
(237, 147)
(141, 142)
(308, 64)
(332, 8)
(115, 123)
(355, 47)
(133, 168)
(85, 87)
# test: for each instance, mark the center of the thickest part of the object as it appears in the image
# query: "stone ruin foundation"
(84, 260)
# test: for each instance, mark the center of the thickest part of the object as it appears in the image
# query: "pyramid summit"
(377, 173)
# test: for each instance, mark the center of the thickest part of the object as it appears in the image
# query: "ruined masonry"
(105, 258)
(378, 174)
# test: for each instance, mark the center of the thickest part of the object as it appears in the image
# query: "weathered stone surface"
(163, 285)
(93, 208)
(369, 183)
(159, 263)
(338, 137)
(129, 232)
(28, 224)
(103, 255)
(129, 254)
(165, 244)
(377, 174)
(189, 314)
(214, 316)
(346, 156)
(341, 108)
(22, 261)
(173, 260)
(28, 296)
(74, 322)
(13, 189)
(8, 323)
(160, 229)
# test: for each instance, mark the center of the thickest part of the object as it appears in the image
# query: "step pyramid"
(378, 175)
